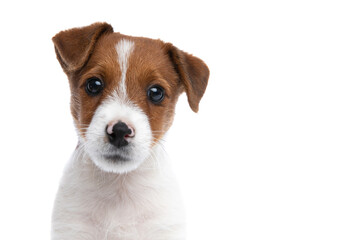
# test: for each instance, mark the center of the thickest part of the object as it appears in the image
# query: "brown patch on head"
(155, 63)
(83, 53)
(150, 66)
(91, 52)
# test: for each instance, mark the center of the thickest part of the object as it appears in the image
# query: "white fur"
(140, 205)
(124, 48)
(98, 147)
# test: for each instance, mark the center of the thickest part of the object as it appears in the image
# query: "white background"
(273, 152)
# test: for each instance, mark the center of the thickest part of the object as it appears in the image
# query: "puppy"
(118, 184)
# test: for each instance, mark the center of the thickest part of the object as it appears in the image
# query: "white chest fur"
(143, 204)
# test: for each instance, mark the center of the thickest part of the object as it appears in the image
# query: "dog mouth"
(119, 160)
(116, 157)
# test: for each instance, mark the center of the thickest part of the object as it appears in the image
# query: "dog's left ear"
(193, 73)
(74, 46)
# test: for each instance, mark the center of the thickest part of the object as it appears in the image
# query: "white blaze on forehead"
(124, 49)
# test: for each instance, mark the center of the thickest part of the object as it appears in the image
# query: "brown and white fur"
(122, 192)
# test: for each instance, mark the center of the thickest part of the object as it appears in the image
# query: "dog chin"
(117, 162)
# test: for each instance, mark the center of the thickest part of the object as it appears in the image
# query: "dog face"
(124, 91)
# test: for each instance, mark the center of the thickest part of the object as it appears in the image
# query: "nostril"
(131, 134)
(118, 133)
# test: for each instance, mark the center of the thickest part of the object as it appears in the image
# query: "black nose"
(119, 134)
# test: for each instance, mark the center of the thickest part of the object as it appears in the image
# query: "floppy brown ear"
(74, 46)
(193, 73)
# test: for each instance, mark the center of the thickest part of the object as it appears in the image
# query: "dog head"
(124, 90)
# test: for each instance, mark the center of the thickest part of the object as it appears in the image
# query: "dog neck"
(148, 194)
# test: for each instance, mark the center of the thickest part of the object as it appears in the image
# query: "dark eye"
(156, 94)
(94, 86)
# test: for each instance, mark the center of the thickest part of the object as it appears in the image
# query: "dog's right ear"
(74, 46)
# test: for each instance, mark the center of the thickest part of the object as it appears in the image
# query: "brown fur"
(90, 52)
